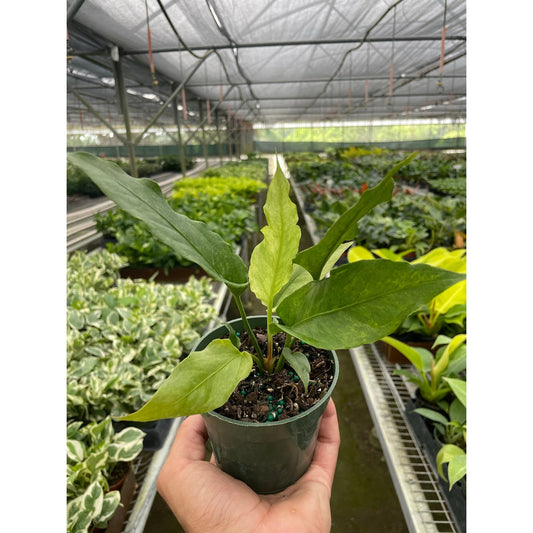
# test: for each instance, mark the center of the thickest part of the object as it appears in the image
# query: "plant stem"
(269, 363)
(240, 307)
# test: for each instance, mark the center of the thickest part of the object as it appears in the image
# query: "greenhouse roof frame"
(264, 61)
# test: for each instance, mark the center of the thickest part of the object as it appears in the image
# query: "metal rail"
(424, 507)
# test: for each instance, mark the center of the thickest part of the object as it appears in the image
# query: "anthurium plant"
(305, 296)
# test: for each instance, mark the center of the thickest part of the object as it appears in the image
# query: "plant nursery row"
(126, 335)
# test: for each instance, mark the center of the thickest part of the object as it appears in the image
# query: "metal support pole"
(123, 105)
(203, 133)
(218, 137)
(73, 9)
(202, 122)
(91, 109)
(172, 97)
(180, 141)
(228, 138)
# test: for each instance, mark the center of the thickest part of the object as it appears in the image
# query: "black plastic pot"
(267, 456)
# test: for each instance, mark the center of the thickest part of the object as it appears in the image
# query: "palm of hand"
(205, 499)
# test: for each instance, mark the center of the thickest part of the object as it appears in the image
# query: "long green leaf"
(444, 359)
(456, 457)
(190, 239)
(412, 353)
(345, 228)
(202, 382)
(432, 415)
(271, 260)
(300, 363)
(360, 302)
(458, 387)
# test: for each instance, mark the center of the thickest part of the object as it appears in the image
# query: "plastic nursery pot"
(267, 456)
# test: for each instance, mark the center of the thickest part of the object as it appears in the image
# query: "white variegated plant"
(92, 453)
(327, 307)
(124, 340)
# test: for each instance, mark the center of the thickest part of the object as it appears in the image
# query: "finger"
(189, 444)
(328, 442)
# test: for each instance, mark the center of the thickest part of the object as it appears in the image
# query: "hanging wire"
(150, 56)
(442, 42)
(391, 77)
(348, 52)
(367, 71)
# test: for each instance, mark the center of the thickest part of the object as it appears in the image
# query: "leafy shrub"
(172, 162)
(93, 452)
(124, 337)
(79, 183)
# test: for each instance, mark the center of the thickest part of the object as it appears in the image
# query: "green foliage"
(93, 450)
(351, 291)
(79, 183)
(124, 337)
(446, 312)
(253, 169)
(432, 371)
(456, 459)
(172, 163)
(414, 218)
(223, 204)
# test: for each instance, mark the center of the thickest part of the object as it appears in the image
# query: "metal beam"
(322, 80)
(98, 116)
(202, 122)
(73, 9)
(218, 136)
(123, 106)
(301, 43)
(180, 139)
(201, 109)
(170, 99)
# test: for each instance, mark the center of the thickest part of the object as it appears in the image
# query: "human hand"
(205, 499)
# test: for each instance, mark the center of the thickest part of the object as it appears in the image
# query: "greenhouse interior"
(266, 297)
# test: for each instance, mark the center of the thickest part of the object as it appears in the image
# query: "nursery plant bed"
(173, 275)
(456, 497)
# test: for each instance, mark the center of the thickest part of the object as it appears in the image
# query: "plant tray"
(456, 497)
(156, 432)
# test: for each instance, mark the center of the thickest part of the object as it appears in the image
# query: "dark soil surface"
(263, 397)
(118, 473)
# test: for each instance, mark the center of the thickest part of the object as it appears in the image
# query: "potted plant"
(315, 304)
(95, 454)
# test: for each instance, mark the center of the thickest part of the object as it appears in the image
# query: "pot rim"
(262, 425)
